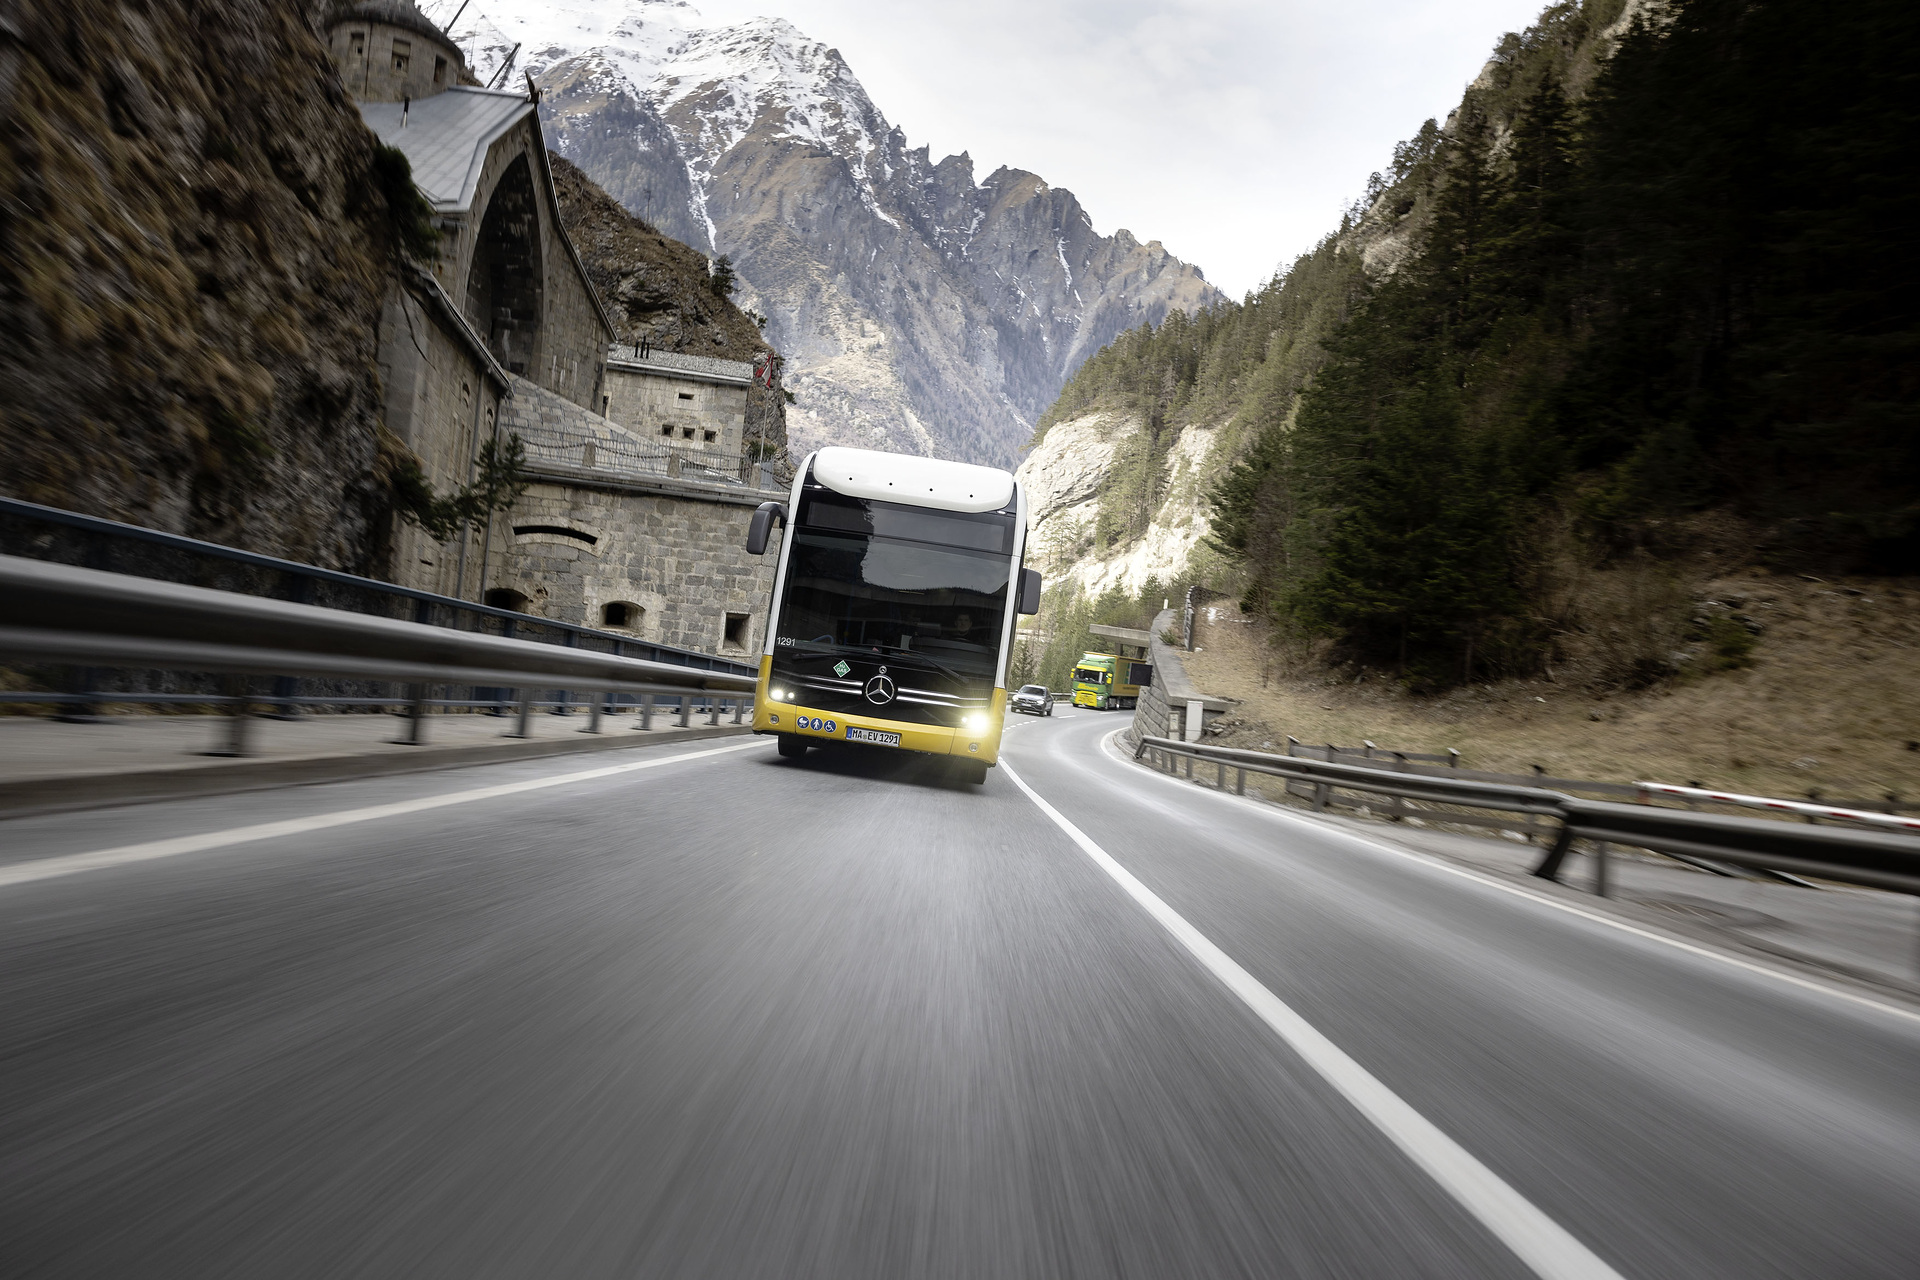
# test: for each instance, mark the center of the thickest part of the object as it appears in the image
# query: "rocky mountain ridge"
(919, 308)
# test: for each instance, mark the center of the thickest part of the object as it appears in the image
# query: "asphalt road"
(707, 1013)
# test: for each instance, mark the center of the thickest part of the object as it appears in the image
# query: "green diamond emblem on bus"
(840, 669)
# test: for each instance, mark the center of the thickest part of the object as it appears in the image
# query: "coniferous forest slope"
(1645, 300)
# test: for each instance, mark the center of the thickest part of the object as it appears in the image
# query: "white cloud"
(1231, 130)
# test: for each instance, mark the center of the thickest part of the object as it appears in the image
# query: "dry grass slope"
(1829, 702)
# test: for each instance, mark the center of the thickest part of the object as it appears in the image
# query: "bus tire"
(792, 746)
(971, 772)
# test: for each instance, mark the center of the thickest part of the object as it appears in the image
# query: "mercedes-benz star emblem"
(879, 691)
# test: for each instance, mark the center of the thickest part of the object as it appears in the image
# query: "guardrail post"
(1549, 868)
(1292, 742)
(84, 708)
(713, 710)
(1321, 791)
(238, 695)
(1453, 758)
(686, 710)
(593, 712)
(739, 708)
(1221, 782)
(523, 716)
(416, 731)
(1239, 782)
(1600, 867)
(287, 688)
(646, 712)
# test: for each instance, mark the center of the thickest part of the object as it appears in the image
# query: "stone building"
(696, 402)
(637, 518)
(506, 294)
(623, 532)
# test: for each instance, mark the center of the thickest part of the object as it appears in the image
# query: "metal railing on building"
(577, 450)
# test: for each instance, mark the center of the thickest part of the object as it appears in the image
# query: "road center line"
(1537, 1240)
(122, 855)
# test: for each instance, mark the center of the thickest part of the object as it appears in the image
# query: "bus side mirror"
(762, 527)
(1029, 591)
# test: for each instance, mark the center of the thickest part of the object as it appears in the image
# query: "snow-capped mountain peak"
(918, 309)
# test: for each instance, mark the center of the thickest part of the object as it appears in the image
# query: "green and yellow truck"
(1109, 682)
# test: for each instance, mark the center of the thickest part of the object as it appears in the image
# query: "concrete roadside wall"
(1164, 708)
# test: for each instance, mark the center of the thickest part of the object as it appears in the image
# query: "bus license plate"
(878, 737)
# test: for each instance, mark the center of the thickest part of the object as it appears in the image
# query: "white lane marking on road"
(1537, 1240)
(102, 859)
(1429, 860)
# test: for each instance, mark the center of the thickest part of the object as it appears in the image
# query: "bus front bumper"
(981, 742)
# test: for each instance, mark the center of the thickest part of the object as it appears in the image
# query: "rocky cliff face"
(1066, 479)
(192, 258)
(920, 309)
(658, 290)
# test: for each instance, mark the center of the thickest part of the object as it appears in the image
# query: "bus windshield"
(851, 593)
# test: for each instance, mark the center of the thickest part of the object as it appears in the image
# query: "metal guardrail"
(305, 583)
(62, 614)
(1810, 810)
(1778, 850)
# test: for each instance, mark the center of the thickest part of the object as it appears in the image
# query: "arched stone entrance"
(504, 283)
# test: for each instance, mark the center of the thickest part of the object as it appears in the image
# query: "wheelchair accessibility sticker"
(817, 724)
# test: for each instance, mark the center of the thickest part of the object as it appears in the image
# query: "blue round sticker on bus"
(829, 726)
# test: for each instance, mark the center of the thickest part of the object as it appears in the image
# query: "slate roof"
(446, 137)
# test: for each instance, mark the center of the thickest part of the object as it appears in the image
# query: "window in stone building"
(358, 44)
(439, 71)
(558, 530)
(506, 598)
(402, 55)
(623, 614)
(739, 628)
(710, 436)
(666, 428)
(686, 433)
(686, 395)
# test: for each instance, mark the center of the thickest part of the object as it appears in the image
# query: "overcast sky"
(1231, 130)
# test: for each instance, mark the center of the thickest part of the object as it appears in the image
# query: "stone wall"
(672, 551)
(441, 403)
(564, 348)
(1162, 710)
(678, 561)
(684, 407)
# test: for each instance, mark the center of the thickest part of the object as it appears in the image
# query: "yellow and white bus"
(893, 606)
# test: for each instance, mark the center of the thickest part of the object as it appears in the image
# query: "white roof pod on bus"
(926, 482)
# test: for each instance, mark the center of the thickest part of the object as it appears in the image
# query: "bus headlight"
(974, 723)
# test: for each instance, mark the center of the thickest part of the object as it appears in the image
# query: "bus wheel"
(971, 772)
(792, 747)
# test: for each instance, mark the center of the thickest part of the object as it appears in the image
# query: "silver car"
(1033, 699)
